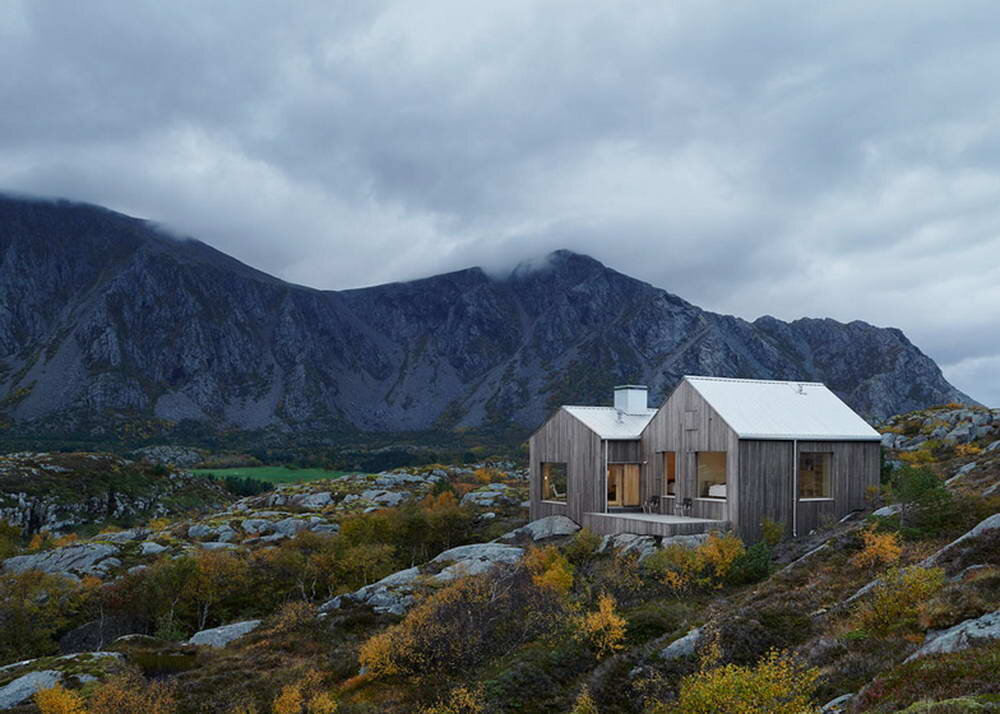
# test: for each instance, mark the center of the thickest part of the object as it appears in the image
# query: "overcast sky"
(786, 158)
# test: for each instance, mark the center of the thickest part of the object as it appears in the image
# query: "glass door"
(623, 485)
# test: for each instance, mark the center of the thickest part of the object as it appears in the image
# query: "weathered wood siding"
(669, 431)
(625, 452)
(564, 439)
(767, 483)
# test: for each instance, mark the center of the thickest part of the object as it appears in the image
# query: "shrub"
(59, 700)
(776, 685)
(926, 503)
(877, 549)
(679, 567)
(676, 566)
(34, 606)
(772, 531)
(894, 603)
(10, 540)
(461, 700)
(549, 569)
(603, 629)
(582, 546)
(720, 552)
(584, 703)
(968, 450)
(129, 693)
(464, 623)
(919, 456)
(305, 696)
(752, 566)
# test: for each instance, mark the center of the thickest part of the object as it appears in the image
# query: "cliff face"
(103, 315)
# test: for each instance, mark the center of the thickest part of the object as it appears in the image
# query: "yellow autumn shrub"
(720, 551)
(305, 696)
(549, 568)
(680, 567)
(461, 700)
(59, 700)
(129, 693)
(775, 685)
(877, 549)
(584, 703)
(895, 602)
(603, 629)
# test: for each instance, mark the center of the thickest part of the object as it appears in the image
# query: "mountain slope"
(103, 315)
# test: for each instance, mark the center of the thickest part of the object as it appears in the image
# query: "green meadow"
(273, 474)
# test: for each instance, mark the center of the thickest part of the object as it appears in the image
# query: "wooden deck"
(653, 524)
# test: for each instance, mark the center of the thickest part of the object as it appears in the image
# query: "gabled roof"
(764, 409)
(610, 423)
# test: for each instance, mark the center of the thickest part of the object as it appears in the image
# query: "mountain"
(106, 317)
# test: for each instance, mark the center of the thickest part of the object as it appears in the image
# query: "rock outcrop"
(224, 634)
(963, 635)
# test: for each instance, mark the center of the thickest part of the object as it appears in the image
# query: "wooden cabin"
(718, 454)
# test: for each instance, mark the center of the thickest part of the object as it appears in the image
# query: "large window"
(670, 473)
(554, 481)
(814, 474)
(712, 474)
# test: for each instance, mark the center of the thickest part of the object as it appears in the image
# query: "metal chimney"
(632, 398)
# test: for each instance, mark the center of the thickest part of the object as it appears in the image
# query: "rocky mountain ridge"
(105, 318)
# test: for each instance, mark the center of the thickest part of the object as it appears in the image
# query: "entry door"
(623, 485)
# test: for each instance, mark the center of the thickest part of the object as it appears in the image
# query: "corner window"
(712, 474)
(814, 474)
(669, 473)
(554, 481)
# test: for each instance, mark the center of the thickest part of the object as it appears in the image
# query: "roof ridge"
(752, 381)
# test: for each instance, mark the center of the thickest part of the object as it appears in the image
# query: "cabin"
(718, 454)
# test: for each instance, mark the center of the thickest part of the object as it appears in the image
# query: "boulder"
(312, 501)
(886, 511)
(643, 545)
(200, 531)
(20, 689)
(491, 553)
(382, 497)
(961, 636)
(151, 548)
(993, 447)
(216, 545)
(24, 687)
(288, 527)
(387, 480)
(80, 558)
(256, 526)
(838, 705)
(682, 647)
(123, 536)
(962, 434)
(392, 594)
(547, 527)
(222, 636)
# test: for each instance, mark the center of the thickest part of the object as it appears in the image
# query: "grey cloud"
(769, 158)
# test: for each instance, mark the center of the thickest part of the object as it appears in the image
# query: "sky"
(786, 158)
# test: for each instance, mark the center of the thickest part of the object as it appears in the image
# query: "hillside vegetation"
(422, 589)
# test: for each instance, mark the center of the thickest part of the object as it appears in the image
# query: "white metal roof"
(763, 409)
(609, 423)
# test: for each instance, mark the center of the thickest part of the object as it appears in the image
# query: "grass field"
(273, 474)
